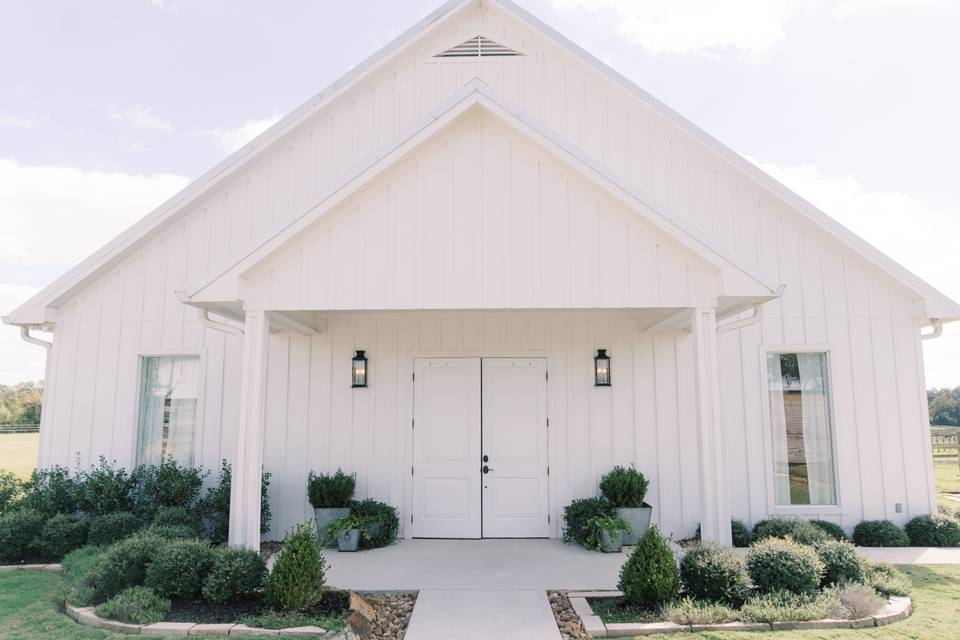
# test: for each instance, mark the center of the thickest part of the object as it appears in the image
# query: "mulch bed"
(567, 620)
(230, 612)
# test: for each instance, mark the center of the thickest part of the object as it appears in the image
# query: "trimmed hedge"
(136, 605)
(113, 527)
(842, 563)
(19, 533)
(784, 565)
(62, 534)
(236, 574)
(650, 577)
(123, 565)
(879, 533)
(299, 573)
(577, 516)
(933, 531)
(800, 530)
(712, 573)
(179, 568)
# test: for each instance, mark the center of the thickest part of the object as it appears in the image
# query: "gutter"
(937, 325)
(204, 316)
(752, 320)
(25, 334)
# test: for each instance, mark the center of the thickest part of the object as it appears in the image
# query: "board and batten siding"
(832, 296)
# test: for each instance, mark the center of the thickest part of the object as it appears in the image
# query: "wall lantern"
(601, 369)
(359, 370)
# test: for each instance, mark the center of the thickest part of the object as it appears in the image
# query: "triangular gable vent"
(478, 47)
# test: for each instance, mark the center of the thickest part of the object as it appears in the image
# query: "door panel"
(515, 441)
(446, 448)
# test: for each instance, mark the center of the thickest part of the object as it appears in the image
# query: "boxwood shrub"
(832, 529)
(577, 515)
(800, 530)
(740, 533)
(650, 577)
(113, 527)
(775, 564)
(842, 563)
(174, 516)
(179, 568)
(124, 564)
(327, 491)
(933, 531)
(237, 574)
(61, 534)
(136, 605)
(709, 572)
(879, 533)
(624, 487)
(297, 579)
(19, 534)
(172, 531)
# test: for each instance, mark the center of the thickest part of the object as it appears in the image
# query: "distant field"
(18, 452)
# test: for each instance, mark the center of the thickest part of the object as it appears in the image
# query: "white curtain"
(817, 441)
(778, 420)
(168, 408)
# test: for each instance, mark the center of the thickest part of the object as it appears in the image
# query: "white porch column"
(714, 487)
(245, 484)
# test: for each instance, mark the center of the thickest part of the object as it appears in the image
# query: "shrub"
(236, 574)
(214, 508)
(176, 516)
(165, 485)
(614, 526)
(578, 513)
(104, 489)
(887, 579)
(123, 564)
(112, 527)
(326, 491)
(19, 534)
(297, 579)
(776, 565)
(11, 490)
(381, 518)
(784, 606)
(624, 488)
(842, 564)
(689, 611)
(879, 533)
(859, 601)
(62, 534)
(79, 562)
(51, 491)
(179, 568)
(832, 529)
(709, 572)
(933, 531)
(136, 605)
(741, 535)
(650, 578)
(800, 530)
(172, 531)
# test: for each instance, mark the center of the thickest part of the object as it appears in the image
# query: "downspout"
(204, 317)
(25, 334)
(937, 330)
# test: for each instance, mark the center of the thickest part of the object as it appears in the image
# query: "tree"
(21, 403)
(944, 406)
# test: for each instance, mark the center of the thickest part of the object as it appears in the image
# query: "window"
(169, 388)
(803, 460)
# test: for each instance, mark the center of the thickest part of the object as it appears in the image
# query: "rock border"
(51, 568)
(87, 617)
(895, 610)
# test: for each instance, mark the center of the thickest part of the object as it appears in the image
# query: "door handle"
(486, 469)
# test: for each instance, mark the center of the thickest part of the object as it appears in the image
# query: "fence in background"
(19, 428)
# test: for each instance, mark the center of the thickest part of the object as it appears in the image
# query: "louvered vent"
(478, 47)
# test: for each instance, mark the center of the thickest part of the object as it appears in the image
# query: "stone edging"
(87, 617)
(52, 568)
(895, 610)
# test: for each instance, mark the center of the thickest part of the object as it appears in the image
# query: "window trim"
(198, 433)
(837, 509)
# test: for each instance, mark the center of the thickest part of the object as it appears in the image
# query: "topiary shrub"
(136, 605)
(123, 564)
(236, 574)
(165, 485)
(380, 523)
(650, 578)
(104, 489)
(887, 579)
(329, 491)
(832, 529)
(709, 572)
(11, 490)
(297, 579)
(800, 530)
(19, 534)
(51, 491)
(113, 527)
(740, 533)
(179, 568)
(62, 534)
(842, 564)
(775, 564)
(933, 531)
(577, 516)
(623, 487)
(879, 533)
(214, 508)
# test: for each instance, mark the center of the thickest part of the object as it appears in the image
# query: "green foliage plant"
(776, 564)
(650, 579)
(299, 572)
(577, 515)
(378, 517)
(832, 529)
(104, 488)
(136, 605)
(113, 527)
(740, 533)
(713, 573)
(842, 563)
(330, 491)
(933, 531)
(879, 533)
(612, 525)
(624, 487)
(237, 574)
(61, 534)
(179, 568)
(11, 490)
(19, 534)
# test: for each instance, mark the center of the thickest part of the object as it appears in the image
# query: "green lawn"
(18, 453)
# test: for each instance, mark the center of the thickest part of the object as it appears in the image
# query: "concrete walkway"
(482, 615)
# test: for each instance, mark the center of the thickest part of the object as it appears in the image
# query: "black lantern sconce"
(358, 370)
(601, 369)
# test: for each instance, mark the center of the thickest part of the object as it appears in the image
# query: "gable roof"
(35, 310)
(740, 281)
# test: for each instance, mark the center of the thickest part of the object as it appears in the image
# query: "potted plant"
(345, 532)
(380, 523)
(625, 489)
(330, 496)
(606, 533)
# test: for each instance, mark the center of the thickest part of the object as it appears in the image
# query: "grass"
(936, 602)
(332, 623)
(18, 453)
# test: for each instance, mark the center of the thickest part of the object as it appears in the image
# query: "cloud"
(55, 216)
(143, 118)
(18, 122)
(848, 8)
(233, 139)
(920, 237)
(750, 27)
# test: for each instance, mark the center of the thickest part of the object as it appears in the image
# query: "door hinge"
(548, 423)
(413, 422)
(546, 376)
(411, 518)
(548, 470)
(413, 376)
(548, 518)
(411, 470)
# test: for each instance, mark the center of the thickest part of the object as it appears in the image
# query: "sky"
(108, 108)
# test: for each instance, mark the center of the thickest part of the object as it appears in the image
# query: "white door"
(446, 448)
(515, 448)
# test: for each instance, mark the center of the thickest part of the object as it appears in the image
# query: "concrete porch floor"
(474, 565)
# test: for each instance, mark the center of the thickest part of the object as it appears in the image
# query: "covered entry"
(480, 448)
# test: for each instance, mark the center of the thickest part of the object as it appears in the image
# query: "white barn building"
(480, 207)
